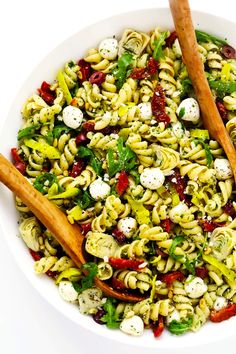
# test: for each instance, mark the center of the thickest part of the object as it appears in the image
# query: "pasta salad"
(117, 142)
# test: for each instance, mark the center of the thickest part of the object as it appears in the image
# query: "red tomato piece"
(168, 278)
(166, 225)
(77, 168)
(89, 126)
(229, 209)
(123, 183)
(81, 138)
(158, 103)
(158, 327)
(152, 66)
(35, 255)
(18, 162)
(120, 263)
(223, 314)
(222, 110)
(170, 40)
(139, 73)
(209, 226)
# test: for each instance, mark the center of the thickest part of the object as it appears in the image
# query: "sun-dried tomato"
(97, 78)
(86, 228)
(35, 255)
(228, 52)
(77, 168)
(89, 126)
(158, 327)
(229, 209)
(119, 236)
(170, 40)
(201, 272)
(158, 104)
(152, 66)
(85, 70)
(209, 225)
(222, 110)
(120, 263)
(139, 73)
(168, 278)
(123, 183)
(159, 252)
(180, 184)
(166, 225)
(223, 314)
(18, 162)
(117, 284)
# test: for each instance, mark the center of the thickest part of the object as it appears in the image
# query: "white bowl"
(74, 48)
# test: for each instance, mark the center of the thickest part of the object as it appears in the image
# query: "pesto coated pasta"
(117, 142)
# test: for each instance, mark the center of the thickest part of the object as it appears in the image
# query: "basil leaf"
(176, 241)
(49, 138)
(39, 183)
(27, 132)
(59, 129)
(87, 281)
(85, 152)
(181, 112)
(135, 175)
(158, 52)
(222, 87)
(186, 87)
(208, 153)
(110, 318)
(178, 328)
(85, 200)
(206, 37)
(126, 158)
(123, 69)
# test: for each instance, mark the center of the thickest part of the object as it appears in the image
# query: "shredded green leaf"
(222, 87)
(27, 132)
(181, 112)
(85, 152)
(158, 51)
(84, 200)
(178, 328)
(186, 86)
(58, 129)
(126, 158)
(110, 318)
(87, 281)
(206, 37)
(39, 183)
(208, 153)
(176, 241)
(121, 71)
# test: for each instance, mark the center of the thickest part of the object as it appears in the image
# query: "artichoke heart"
(100, 245)
(133, 42)
(222, 242)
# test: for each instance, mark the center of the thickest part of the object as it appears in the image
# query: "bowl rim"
(32, 277)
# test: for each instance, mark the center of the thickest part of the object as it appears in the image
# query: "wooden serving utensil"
(211, 118)
(69, 236)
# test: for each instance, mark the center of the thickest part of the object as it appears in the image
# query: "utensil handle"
(69, 236)
(211, 118)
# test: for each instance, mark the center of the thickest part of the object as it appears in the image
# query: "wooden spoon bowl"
(69, 236)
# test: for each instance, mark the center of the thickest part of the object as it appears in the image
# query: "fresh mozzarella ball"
(176, 48)
(133, 326)
(223, 169)
(195, 287)
(174, 315)
(176, 213)
(220, 303)
(128, 226)
(189, 110)
(72, 117)
(99, 190)
(145, 110)
(67, 291)
(152, 178)
(108, 48)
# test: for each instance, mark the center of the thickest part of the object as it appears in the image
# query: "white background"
(28, 31)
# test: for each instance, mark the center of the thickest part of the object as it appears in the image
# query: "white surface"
(29, 31)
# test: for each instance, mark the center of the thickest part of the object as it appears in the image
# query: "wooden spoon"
(211, 118)
(69, 236)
